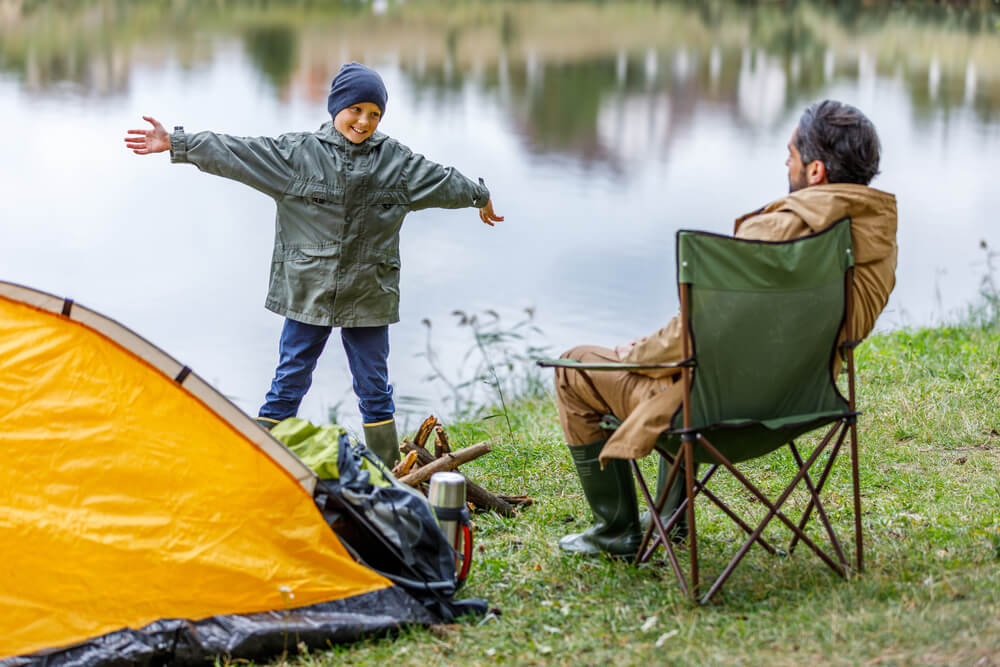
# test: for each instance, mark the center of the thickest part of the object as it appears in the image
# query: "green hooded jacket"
(340, 206)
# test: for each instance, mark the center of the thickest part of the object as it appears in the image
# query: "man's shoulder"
(828, 197)
(845, 191)
(816, 207)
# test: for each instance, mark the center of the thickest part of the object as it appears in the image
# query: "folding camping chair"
(763, 324)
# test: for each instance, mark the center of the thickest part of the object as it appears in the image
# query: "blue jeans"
(301, 344)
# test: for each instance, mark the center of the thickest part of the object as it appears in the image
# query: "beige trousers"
(584, 397)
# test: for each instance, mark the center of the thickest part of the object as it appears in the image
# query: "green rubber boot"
(611, 495)
(266, 423)
(674, 498)
(381, 438)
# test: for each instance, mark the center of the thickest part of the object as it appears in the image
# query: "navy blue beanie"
(354, 84)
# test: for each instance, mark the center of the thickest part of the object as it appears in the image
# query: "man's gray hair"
(842, 138)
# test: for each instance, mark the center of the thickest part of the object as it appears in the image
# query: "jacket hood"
(330, 135)
(872, 213)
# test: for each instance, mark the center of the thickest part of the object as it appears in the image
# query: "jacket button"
(347, 218)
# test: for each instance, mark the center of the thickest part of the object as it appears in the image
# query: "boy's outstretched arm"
(487, 215)
(262, 163)
(431, 185)
(144, 142)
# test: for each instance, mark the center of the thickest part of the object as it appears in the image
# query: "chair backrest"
(764, 318)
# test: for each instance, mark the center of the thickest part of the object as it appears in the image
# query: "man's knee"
(562, 374)
(584, 353)
(568, 378)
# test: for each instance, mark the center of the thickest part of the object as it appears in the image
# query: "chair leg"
(656, 523)
(735, 517)
(694, 486)
(650, 543)
(819, 488)
(692, 529)
(668, 499)
(773, 511)
(857, 498)
(820, 510)
(643, 554)
(686, 505)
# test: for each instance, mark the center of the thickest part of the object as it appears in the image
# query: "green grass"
(930, 593)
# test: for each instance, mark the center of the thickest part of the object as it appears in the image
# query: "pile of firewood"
(418, 464)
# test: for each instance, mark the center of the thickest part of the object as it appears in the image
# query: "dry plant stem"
(447, 462)
(475, 494)
(441, 445)
(496, 381)
(425, 430)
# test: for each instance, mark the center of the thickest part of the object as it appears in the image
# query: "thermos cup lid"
(447, 489)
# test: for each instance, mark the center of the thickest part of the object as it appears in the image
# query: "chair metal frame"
(692, 437)
(658, 532)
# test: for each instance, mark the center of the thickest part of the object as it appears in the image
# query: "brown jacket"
(801, 213)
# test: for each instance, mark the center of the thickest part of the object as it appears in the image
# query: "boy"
(341, 193)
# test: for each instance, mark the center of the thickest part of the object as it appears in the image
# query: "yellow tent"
(132, 493)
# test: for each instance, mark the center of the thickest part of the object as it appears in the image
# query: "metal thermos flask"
(447, 492)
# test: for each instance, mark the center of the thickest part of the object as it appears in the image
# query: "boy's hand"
(487, 215)
(144, 142)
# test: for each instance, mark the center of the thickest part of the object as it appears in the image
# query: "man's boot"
(611, 495)
(381, 438)
(674, 498)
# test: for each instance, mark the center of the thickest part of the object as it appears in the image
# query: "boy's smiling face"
(358, 121)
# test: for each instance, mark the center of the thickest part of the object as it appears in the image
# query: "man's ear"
(816, 173)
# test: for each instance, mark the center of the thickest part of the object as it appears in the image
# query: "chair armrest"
(608, 366)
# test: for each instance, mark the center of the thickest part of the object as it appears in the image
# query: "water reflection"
(601, 128)
(543, 60)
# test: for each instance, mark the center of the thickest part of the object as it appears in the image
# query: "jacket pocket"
(315, 192)
(305, 253)
(386, 200)
(303, 279)
(387, 275)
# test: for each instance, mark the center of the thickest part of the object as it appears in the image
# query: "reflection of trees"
(91, 45)
(274, 50)
(562, 114)
(606, 109)
(559, 69)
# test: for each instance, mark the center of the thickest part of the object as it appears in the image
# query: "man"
(832, 157)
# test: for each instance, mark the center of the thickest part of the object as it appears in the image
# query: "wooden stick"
(425, 431)
(483, 499)
(441, 446)
(405, 465)
(520, 501)
(474, 493)
(486, 500)
(446, 462)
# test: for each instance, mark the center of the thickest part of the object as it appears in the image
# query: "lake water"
(600, 128)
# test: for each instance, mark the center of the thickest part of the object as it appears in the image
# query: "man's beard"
(794, 185)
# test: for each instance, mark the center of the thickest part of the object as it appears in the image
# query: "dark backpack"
(391, 528)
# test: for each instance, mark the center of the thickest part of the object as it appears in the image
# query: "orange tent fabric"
(126, 498)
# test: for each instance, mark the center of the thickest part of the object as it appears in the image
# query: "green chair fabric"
(764, 321)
